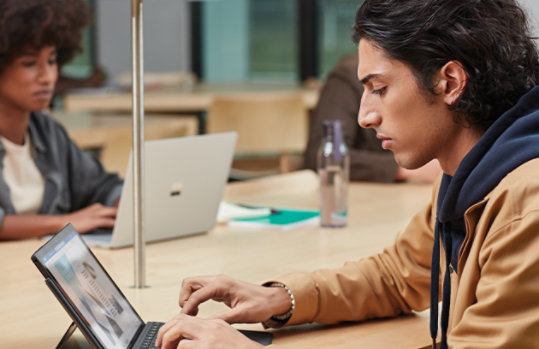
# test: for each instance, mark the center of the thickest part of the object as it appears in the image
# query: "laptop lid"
(184, 182)
(88, 294)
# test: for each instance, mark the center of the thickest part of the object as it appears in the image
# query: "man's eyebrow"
(368, 77)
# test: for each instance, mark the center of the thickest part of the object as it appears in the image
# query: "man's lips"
(386, 141)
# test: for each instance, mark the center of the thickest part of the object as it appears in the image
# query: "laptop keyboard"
(151, 335)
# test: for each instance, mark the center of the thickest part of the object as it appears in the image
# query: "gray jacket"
(73, 178)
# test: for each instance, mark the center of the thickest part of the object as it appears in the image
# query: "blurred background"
(196, 52)
(222, 40)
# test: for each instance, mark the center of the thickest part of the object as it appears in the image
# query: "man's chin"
(408, 162)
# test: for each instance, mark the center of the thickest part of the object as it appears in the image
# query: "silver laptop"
(184, 182)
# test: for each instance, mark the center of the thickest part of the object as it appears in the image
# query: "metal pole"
(138, 139)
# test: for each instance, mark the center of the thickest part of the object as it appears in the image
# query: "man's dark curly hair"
(34, 24)
(490, 38)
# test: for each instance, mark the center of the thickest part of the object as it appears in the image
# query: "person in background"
(451, 80)
(339, 100)
(46, 181)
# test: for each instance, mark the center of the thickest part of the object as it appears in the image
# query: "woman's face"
(27, 83)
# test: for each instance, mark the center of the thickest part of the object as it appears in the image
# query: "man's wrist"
(280, 319)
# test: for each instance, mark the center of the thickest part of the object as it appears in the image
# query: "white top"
(21, 174)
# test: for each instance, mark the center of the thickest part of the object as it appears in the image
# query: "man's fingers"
(170, 333)
(162, 330)
(189, 286)
(180, 328)
(187, 344)
(190, 306)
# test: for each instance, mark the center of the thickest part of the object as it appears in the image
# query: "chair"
(272, 131)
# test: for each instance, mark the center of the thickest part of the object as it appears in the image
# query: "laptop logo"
(176, 189)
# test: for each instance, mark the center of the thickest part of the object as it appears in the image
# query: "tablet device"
(92, 299)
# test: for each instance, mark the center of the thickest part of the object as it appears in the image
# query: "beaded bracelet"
(286, 316)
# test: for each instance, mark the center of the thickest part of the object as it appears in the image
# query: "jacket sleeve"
(393, 282)
(86, 180)
(339, 100)
(504, 310)
(90, 182)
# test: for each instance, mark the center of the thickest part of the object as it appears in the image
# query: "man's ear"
(452, 81)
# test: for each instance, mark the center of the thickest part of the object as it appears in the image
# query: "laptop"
(93, 300)
(184, 182)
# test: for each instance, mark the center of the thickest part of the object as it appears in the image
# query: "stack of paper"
(228, 211)
(279, 219)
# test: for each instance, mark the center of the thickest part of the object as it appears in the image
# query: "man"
(449, 80)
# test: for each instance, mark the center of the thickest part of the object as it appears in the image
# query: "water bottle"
(334, 172)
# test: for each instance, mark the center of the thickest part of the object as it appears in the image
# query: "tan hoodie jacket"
(495, 296)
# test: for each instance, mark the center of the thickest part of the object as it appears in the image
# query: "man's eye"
(28, 63)
(379, 91)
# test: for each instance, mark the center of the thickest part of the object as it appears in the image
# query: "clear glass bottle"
(334, 173)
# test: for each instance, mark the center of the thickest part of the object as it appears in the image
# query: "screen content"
(106, 312)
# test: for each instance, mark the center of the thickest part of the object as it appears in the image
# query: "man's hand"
(187, 332)
(248, 302)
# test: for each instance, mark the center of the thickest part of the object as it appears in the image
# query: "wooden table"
(180, 100)
(32, 318)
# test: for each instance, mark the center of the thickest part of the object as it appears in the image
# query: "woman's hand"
(92, 217)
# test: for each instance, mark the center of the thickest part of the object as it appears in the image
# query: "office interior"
(223, 48)
(194, 52)
(218, 48)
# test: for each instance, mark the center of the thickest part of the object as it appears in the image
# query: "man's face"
(414, 126)
(27, 83)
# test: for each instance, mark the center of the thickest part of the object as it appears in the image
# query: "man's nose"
(368, 116)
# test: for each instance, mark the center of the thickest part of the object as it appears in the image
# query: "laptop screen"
(106, 312)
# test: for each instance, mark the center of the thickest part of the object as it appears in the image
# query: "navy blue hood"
(510, 141)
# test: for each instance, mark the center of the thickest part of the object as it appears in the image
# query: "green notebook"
(279, 219)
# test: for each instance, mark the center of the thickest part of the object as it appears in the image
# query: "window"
(270, 40)
(273, 35)
(336, 18)
(83, 64)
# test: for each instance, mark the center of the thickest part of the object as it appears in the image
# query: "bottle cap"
(333, 133)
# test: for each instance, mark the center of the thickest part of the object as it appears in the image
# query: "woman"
(46, 181)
